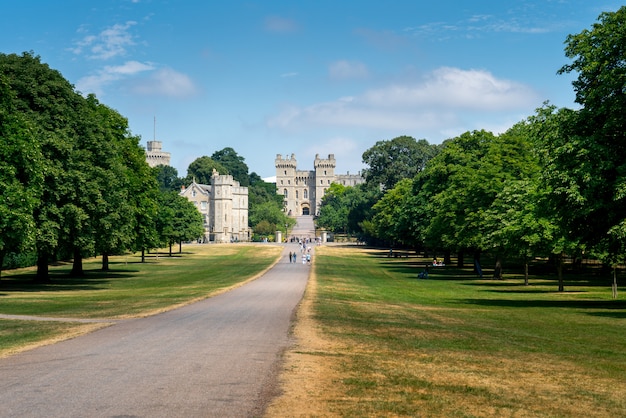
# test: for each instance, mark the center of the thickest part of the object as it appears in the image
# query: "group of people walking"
(306, 256)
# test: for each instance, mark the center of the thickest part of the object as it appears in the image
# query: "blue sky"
(305, 77)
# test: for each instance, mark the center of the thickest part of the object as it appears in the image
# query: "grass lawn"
(129, 289)
(456, 346)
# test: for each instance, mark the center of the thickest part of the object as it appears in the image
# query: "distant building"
(224, 208)
(155, 156)
(302, 191)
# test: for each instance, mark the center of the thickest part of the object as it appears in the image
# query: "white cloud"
(448, 99)
(344, 69)
(109, 43)
(96, 83)
(167, 82)
(455, 88)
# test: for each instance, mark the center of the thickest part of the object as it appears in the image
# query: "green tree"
(21, 178)
(391, 161)
(334, 211)
(53, 110)
(177, 220)
(392, 220)
(234, 163)
(167, 177)
(562, 162)
(201, 170)
(598, 136)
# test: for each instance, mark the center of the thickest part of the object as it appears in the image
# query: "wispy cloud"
(95, 83)
(109, 43)
(441, 101)
(343, 69)
(479, 24)
(168, 83)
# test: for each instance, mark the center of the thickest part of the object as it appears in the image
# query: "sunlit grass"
(455, 345)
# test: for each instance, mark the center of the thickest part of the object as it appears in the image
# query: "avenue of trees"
(552, 185)
(74, 181)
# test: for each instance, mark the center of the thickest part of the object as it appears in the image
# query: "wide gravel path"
(216, 358)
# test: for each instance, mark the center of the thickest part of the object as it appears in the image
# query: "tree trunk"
(459, 259)
(1, 262)
(497, 270)
(525, 272)
(477, 268)
(105, 262)
(170, 249)
(143, 255)
(614, 286)
(559, 270)
(77, 265)
(42, 267)
(447, 257)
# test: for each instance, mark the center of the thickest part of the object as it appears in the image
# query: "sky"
(306, 77)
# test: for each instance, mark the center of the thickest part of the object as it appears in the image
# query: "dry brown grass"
(311, 372)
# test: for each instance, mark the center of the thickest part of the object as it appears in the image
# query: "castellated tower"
(229, 209)
(155, 154)
(302, 190)
(324, 176)
(286, 183)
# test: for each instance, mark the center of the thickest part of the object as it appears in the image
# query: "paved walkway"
(215, 358)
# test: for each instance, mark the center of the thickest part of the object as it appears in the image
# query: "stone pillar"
(279, 236)
(324, 237)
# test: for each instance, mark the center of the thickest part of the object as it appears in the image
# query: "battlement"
(288, 162)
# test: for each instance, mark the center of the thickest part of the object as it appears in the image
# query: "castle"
(224, 208)
(303, 191)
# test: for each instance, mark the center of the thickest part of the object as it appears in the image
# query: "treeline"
(552, 185)
(74, 181)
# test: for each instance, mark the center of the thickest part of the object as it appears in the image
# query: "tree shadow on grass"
(60, 280)
(612, 308)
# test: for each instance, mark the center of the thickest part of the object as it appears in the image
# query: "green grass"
(456, 345)
(130, 288)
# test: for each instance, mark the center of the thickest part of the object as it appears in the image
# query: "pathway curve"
(215, 358)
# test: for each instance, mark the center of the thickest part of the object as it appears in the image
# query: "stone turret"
(155, 154)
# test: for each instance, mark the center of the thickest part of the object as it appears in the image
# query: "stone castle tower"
(303, 191)
(155, 154)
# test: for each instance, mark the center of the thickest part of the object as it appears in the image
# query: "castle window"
(305, 194)
(285, 172)
(296, 194)
(286, 193)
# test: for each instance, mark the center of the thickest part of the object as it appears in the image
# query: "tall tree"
(21, 178)
(201, 170)
(599, 58)
(168, 179)
(391, 161)
(53, 109)
(234, 163)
